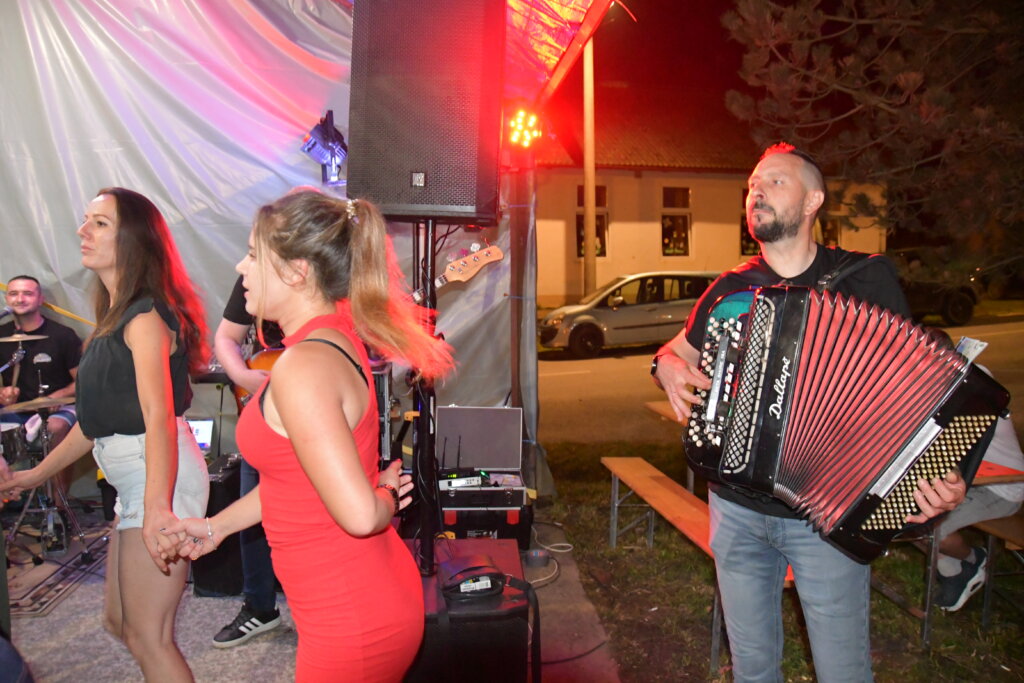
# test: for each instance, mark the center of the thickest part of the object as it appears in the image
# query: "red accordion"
(836, 408)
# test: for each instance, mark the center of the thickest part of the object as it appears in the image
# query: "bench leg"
(613, 531)
(929, 590)
(613, 516)
(986, 604)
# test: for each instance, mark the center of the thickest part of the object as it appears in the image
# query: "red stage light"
(523, 128)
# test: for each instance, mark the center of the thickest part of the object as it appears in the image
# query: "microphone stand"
(424, 400)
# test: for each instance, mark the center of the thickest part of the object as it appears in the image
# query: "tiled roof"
(642, 126)
(660, 84)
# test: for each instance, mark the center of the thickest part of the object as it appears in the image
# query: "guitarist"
(235, 344)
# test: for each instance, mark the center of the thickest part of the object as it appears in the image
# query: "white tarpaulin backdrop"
(202, 105)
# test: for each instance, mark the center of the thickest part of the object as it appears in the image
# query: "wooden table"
(663, 409)
(990, 473)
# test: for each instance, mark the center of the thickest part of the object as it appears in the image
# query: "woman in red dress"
(321, 267)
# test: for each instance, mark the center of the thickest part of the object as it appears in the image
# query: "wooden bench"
(682, 509)
(1011, 531)
(660, 494)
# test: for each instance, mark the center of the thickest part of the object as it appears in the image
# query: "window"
(691, 287)
(748, 245)
(675, 197)
(675, 221)
(830, 233)
(675, 235)
(601, 225)
(629, 291)
(602, 196)
(601, 220)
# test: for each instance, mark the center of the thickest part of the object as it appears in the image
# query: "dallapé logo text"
(775, 409)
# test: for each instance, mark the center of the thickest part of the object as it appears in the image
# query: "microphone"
(7, 310)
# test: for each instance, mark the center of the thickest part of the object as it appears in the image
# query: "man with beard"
(753, 536)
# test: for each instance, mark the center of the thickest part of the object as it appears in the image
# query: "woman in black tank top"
(132, 392)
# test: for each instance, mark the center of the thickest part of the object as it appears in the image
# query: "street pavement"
(602, 399)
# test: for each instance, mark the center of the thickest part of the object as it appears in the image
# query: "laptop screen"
(202, 429)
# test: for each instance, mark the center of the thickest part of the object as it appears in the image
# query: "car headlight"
(554, 321)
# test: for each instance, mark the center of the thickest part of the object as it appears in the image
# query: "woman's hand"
(17, 482)
(199, 536)
(392, 476)
(161, 544)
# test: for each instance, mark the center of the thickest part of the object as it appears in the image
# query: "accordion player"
(835, 407)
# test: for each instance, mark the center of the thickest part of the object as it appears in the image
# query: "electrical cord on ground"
(554, 547)
(550, 578)
(576, 657)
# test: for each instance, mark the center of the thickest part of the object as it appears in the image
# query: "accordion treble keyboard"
(835, 407)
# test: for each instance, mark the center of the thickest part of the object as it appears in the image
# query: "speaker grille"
(426, 99)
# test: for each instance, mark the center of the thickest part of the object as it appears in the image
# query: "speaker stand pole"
(424, 460)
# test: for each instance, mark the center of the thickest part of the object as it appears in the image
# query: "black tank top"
(107, 400)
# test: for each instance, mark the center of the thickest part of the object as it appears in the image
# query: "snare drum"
(12, 442)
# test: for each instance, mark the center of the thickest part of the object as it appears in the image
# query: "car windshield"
(602, 290)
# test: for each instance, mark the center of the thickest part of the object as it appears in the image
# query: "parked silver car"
(644, 308)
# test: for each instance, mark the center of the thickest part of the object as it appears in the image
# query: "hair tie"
(350, 211)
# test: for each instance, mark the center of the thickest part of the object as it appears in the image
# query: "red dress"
(357, 602)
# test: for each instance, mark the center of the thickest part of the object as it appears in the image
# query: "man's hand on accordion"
(938, 496)
(676, 373)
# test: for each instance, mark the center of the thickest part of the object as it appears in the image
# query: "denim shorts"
(122, 457)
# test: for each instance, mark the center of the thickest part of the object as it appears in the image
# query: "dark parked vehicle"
(1002, 278)
(935, 285)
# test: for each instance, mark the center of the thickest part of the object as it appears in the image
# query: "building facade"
(652, 220)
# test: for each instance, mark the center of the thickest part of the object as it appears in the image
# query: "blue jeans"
(751, 553)
(258, 581)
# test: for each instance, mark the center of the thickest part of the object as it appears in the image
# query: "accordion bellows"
(837, 408)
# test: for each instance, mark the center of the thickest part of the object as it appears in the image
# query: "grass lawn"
(656, 603)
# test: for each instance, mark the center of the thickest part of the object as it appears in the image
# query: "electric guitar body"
(262, 360)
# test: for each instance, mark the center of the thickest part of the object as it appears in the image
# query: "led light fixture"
(326, 145)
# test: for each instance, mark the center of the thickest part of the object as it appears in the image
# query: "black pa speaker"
(425, 108)
(219, 573)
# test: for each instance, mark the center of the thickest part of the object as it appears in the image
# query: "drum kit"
(48, 503)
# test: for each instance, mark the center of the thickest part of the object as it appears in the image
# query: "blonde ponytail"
(382, 309)
(346, 243)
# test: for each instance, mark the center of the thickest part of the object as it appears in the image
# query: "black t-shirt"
(106, 394)
(47, 361)
(875, 283)
(234, 311)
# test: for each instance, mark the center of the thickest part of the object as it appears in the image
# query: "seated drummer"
(48, 367)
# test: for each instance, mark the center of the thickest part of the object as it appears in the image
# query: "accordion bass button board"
(836, 408)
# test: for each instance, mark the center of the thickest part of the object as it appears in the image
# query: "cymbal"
(19, 337)
(37, 404)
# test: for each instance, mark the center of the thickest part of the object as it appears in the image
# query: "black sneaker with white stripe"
(955, 590)
(247, 624)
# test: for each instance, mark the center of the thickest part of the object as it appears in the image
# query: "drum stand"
(53, 537)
